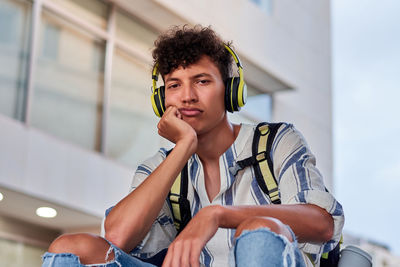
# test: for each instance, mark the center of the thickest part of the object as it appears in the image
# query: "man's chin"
(192, 121)
(194, 124)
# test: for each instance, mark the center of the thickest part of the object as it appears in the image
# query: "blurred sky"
(366, 83)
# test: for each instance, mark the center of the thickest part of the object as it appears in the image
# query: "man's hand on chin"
(172, 127)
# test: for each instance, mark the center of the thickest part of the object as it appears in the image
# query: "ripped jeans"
(261, 248)
(255, 248)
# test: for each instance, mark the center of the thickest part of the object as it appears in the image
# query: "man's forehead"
(202, 67)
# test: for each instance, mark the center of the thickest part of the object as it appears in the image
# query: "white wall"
(42, 166)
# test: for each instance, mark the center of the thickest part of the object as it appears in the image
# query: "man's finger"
(168, 258)
(178, 114)
(194, 257)
(176, 256)
(185, 254)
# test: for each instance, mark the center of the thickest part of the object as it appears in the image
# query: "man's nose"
(189, 94)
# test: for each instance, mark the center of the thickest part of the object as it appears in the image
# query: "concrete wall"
(40, 165)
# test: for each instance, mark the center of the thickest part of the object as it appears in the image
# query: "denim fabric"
(121, 259)
(256, 248)
(262, 247)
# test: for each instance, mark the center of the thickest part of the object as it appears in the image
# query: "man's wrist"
(229, 217)
(189, 144)
(217, 212)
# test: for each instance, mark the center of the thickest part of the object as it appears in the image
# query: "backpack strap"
(331, 258)
(177, 196)
(262, 143)
(261, 159)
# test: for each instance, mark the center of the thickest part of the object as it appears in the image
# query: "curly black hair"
(183, 46)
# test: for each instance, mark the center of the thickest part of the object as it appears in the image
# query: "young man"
(233, 221)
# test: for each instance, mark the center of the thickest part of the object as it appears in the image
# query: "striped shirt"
(299, 181)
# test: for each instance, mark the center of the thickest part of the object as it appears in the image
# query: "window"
(23, 243)
(51, 38)
(265, 5)
(134, 33)
(68, 91)
(95, 12)
(132, 125)
(14, 29)
(258, 108)
(13, 253)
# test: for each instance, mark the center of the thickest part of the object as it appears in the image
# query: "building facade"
(75, 113)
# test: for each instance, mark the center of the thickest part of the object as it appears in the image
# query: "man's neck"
(214, 143)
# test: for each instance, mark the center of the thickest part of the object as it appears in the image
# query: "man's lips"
(190, 112)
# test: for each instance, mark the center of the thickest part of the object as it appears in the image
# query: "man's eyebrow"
(172, 79)
(200, 75)
(197, 76)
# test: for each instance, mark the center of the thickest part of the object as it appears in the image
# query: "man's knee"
(265, 247)
(69, 243)
(87, 247)
(273, 224)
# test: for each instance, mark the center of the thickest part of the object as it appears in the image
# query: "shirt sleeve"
(300, 182)
(163, 231)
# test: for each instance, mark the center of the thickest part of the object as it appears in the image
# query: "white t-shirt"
(299, 181)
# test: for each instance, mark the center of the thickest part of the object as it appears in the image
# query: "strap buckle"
(261, 156)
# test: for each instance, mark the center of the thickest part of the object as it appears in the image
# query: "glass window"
(68, 90)
(19, 254)
(14, 35)
(265, 5)
(258, 108)
(134, 33)
(132, 126)
(94, 12)
(51, 38)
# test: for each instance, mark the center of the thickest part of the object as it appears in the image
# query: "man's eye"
(172, 86)
(203, 82)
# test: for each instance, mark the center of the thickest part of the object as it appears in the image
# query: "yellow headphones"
(235, 90)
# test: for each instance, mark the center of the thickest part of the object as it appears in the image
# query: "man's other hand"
(186, 248)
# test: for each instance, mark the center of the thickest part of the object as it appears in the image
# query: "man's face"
(198, 92)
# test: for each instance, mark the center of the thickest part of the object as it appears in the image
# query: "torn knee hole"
(110, 255)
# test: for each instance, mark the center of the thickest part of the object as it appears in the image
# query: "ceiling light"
(1, 197)
(46, 212)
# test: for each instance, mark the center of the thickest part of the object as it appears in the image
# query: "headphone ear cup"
(228, 90)
(242, 97)
(162, 94)
(158, 101)
(231, 94)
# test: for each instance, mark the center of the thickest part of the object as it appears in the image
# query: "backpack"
(262, 163)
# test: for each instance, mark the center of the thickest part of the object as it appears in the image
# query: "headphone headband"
(235, 57)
